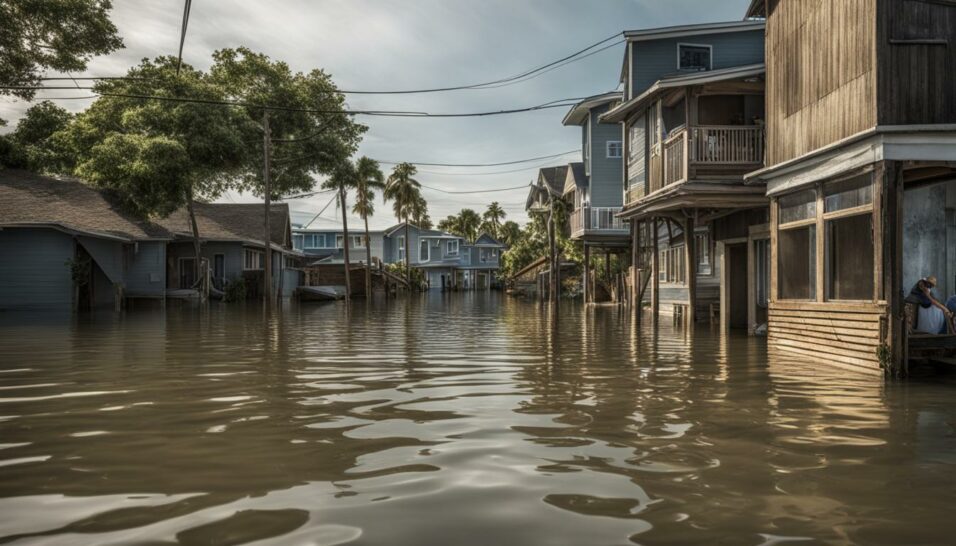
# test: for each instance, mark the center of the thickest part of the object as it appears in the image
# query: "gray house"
(327, 245)
(66, 246)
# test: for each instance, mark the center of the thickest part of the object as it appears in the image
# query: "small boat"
(321, 293)
(182, 293)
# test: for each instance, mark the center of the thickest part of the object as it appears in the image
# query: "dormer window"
(614, 149)
(694, 58)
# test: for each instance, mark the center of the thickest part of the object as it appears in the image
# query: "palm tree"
(368, 178)
(494, 215)
(404, 191)
(468, 223)
(341, 180)
(420, 213)
(510, 233)
(449, 224)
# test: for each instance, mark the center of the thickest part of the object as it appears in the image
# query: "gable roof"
(232, 222)
(692, 30)
(575, 179)
(550, 180)
(31, 199)
(682, 80)
(579, 112)
(757, 9)
(487, 240)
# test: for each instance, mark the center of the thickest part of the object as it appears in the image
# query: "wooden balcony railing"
(728, 145)
(595, 219)
(686, 151)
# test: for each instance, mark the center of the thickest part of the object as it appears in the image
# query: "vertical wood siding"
(821, 74)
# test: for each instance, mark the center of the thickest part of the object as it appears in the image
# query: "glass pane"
(849, 252)
(796, 272)
(847, 194)
(694, 58)
(798, 206)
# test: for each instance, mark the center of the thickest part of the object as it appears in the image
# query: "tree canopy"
(61, 35)
(31, 146)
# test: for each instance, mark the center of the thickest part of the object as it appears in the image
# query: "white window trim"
(261, 259)
(401, 248)
(708, 46)
(448, 246)
(428, 251)
(620, 149)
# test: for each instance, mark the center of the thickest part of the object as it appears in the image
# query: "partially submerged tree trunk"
(345, 245)
(195, 229)
(368, 262)
(267, 193)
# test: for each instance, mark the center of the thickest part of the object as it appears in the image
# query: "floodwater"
(453, 420)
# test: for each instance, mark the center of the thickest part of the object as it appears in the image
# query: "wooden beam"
(690, 261)
(655, 271)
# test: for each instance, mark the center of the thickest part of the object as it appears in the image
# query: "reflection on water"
(463, 419)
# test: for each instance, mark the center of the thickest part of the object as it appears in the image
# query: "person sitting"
(934, 317)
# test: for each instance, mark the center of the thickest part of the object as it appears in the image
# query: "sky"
(415, 44)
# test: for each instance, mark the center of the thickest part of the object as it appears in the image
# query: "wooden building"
(860, 172)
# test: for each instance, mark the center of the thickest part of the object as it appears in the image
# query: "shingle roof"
(575, 178)
(554, 177)
(31, 199)
(231, 222)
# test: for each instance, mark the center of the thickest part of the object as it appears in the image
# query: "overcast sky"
(412, 44)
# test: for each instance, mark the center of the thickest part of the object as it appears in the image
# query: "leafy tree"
(158, 155)
(368, 178)
(493, 216)
(469, 222)
(404, 191)
(509, 233)
(310, 133)
(31, 146)
(449, 224)
(61, 35)
(420, 213)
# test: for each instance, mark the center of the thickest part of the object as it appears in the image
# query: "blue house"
(68, 246)
(448, 261)
(693, 119)
(327, 245)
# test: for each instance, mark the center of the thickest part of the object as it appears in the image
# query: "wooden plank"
(870, 333)
(848, 317)
(827, 338)
(823, 350)
(877, 308)
(855, 362)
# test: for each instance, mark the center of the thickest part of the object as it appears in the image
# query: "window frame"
(448, 249)
(428, 249)
(258, 257)
(710, 49)
(620, 149)
(401, 248)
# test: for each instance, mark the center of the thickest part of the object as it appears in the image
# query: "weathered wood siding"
(821, 74)
(917, 62)
(846, 334)
(33, 271)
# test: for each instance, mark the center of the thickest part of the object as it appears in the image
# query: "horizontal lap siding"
(146, 275)
(846, 335)
(34, 271)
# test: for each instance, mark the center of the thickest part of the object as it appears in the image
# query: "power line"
(560, 103)
(334, 197)
(477, 191)
(502, 82)
(182, 34)
(515, 162)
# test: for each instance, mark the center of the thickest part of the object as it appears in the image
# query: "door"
(219, 270)
(737, 293)
(187, 272)
(761, 280)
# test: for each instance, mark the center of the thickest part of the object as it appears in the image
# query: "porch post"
(586, 278)
(691, 264)
(635, 264)
(655, 271)
(890, 177)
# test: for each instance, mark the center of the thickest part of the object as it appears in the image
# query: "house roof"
(575, 179)
(550, 180)
(692, 30)
(758, 8)
(31, 199)
(579, 112)
(232, 222)
(681, 80)
(485, 240)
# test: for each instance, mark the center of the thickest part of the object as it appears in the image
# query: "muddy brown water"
(453, 420)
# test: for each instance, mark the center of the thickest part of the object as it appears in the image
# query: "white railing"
(728, 145)
(592, 219)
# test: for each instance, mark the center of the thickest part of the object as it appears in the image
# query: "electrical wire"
(314, 218)
(525, 186)
(182, 34)
(504, 163)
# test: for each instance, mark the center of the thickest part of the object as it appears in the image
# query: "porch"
(602, 221)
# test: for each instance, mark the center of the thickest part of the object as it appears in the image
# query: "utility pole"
(345, 246)
(267, 192)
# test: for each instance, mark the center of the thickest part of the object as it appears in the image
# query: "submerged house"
(231, 237)
(861, 174)
(693, 120)
(594, 188)
(67, 246)
(448, 261)
(328, 245)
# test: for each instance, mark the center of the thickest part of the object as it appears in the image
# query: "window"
(298, 241)
(452, 247)
(314, 240)
(702, 249)
(693, 57)
(424, 251)
(762, 273)
(797, 207)
(488, 255)
(673, 265)
(253, 260)
(355, 241)
(401, 248)
(796, 269)
(615, 149)
(848, 207)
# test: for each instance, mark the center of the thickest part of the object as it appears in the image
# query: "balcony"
(597, 221)
(702, 152)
